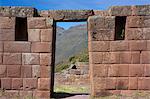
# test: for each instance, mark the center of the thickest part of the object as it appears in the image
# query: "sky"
(72, 4)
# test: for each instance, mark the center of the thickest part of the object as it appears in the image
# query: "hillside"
(70, 42)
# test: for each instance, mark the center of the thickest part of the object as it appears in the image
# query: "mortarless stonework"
(116, 66)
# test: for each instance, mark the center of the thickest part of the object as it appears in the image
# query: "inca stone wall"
(116, 66)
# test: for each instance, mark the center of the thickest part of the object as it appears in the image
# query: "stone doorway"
(71, 76)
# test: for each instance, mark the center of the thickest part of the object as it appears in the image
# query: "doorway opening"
(71, 70)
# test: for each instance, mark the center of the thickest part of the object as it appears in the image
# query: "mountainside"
(70, 42)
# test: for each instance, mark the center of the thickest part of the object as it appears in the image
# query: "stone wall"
(120, 66)
(116, 66)
(25, 66)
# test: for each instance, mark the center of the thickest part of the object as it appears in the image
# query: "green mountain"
(70, 42)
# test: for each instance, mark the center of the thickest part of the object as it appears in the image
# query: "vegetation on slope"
(81, 57)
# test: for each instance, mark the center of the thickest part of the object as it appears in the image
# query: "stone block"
(96, 57)
(111, 83)
(17, 46)
(1, 58)
(7, 23)
(122, 83)
(99, 46)
(34, 35)
(30, 58)
(41, 94)
(113, 70)
(6, 83)
(45, 59)
(143, 83)
(133, 83)
(35, 71)
(17, 11)
(45, 71)
(67, 15)
(120, 11)
(41, 47)
(17, 83)
(114, 57)
(44, 84)
(25, 94)
(101, 23)
(7, 34)
(135, 57)
(136, 70)
(1, 46)
(100, 70)
(36, 23)
(146, 70)
(12, 58)
(26, 71)
(138, 45)
(29, 83)
(11, 94)
(46, 35)
(125, 57)
(102, 35)
(123, 70)
(134, 34)
(3, 71)
(14, 71)
(141, 10)
(106, 58)
(145, 57)
(119, 46)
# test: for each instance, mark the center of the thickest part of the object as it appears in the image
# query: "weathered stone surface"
(14, 71)
(45, 71)
(26, 71)
(101, 12)
(17, 11)
(119, 46)
(133, 83)
(46, 35)
(36, 23)
(138, 21)
(7, 23)
(17, 83)
(35, 71)
(101, 22)
(30, 58)
(41, 94)
(102, 35)
(41, 47)
(29, 83)
(1, 46)
(141, 10)
(143, 83)
(7, 34)
(3, 71)
(136, 70)
(44, 83)
(120, 11)
(137, 34)
(99, 46)
(34, 35)
(12, 58)
(70, 15)
(17, 46)
(6, 83)
(122, 83)
(45, 59)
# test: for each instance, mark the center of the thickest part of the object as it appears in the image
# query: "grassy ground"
(71, 89)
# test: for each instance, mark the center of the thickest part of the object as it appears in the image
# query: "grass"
(71, 89)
